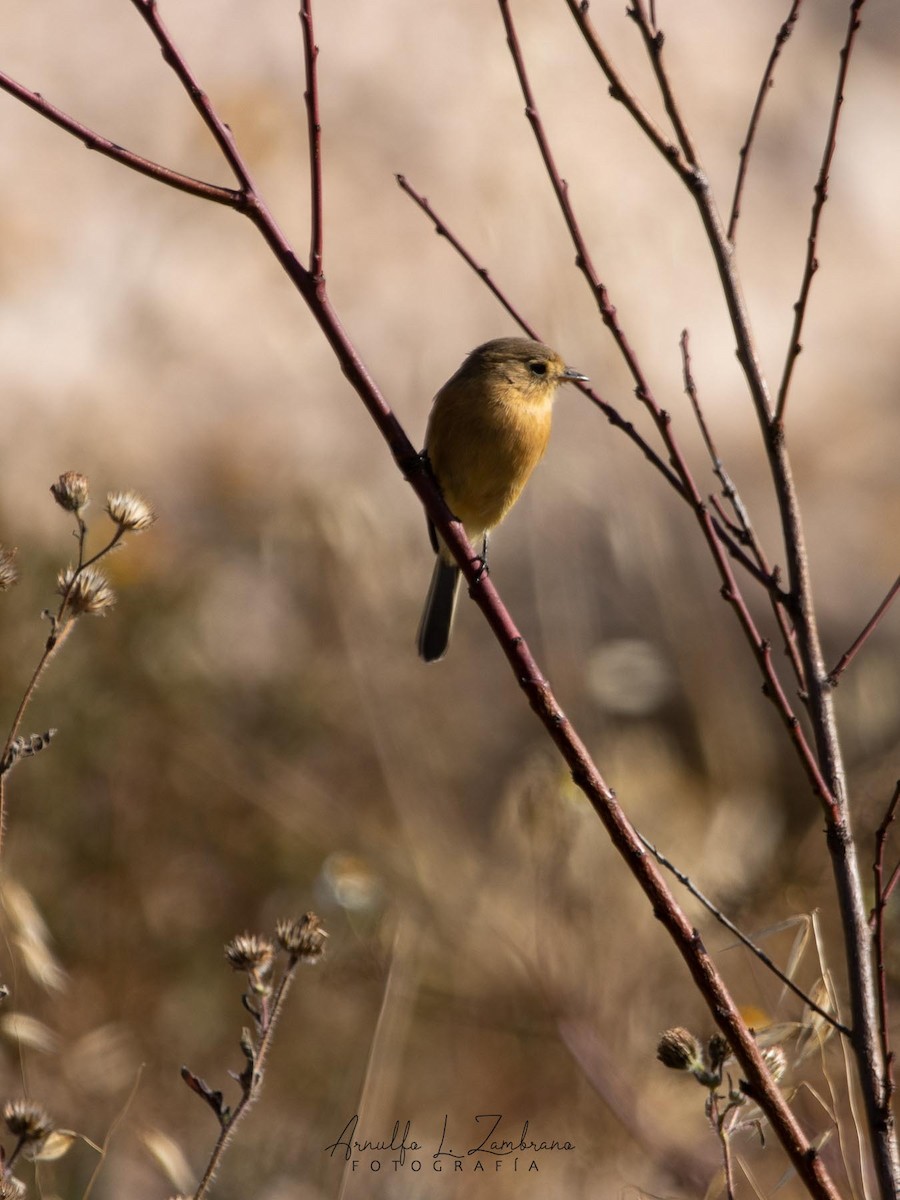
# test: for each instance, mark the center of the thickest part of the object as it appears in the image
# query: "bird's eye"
(538, 368)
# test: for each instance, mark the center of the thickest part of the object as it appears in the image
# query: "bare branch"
(217, 127)
(847, 657)
(311, 97)
(743, 938)
(745, 530)
(764, 88)
(882, 894)
(94, 141)
(653, 40)
(821, 195)
(730, 590)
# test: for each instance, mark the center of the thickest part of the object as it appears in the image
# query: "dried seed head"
(8, 573)
(250, 952)
(71, 491)
(12, 1188)
(129, 511)
(27, 1120)
(718, 1050)
(86, 591)
(679, 1050)
(303, 939)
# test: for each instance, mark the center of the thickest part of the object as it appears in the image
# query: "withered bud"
(71, 491)
(129, 511)
(303, 939)
(250, 952)
(8, 572)
(27, 1120)
(718, 1050)
(86, 591)
(679, 1050)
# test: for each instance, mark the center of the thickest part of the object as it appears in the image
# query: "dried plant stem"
(251, 1091)
(314, 129)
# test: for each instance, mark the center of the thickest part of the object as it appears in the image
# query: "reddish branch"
(841, 845)
(847, 657)
(314, 129)
(764, 88)
(744, 528)
(821, 195)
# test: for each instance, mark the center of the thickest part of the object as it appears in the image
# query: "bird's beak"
(574, 376)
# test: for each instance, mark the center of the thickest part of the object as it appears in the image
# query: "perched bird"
(488, 430)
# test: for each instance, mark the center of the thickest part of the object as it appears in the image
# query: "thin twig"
(764, 88)
(821, 195)
(882, 894)
(847, 657)
(653, 40)
(95, 141)
(742, 937)
(746, 532)
(314, 126)
(222, 135)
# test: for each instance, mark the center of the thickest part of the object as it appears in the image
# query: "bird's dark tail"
(437, 619)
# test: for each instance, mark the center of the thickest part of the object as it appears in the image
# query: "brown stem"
(314, 128)
(847, 657)
(821, 195)
(764, 88)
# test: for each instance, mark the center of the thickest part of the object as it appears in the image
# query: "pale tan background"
(250, 733)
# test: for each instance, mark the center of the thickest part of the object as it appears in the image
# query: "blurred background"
(249, 734)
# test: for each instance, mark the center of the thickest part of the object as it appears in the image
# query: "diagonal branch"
(94, 141)
(847, 657)
(764, 958)
(821, 195)
(764, 88)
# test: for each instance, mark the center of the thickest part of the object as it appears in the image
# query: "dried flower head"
(129, 511)
(27, 1120)
(71, 491)
(12, 1188)
(303, 939)
(679, 1050)
(250, 952)
(85, 591)
(8, 572)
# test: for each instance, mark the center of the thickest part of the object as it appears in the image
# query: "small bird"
(487, 431)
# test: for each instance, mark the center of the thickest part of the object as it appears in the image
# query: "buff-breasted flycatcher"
(487, 431)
